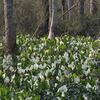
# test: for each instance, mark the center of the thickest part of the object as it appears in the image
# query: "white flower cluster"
(7, 62)
(66, 56)
(63, 89)
(52, 70)
(86, 67)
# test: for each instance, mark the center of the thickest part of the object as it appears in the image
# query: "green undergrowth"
(63, 68)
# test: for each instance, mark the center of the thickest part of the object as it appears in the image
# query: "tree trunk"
(64, 8)
(93, 7)
(10, 35)
(81, 11)
(51, 18)
(45, 4)
(70, 4)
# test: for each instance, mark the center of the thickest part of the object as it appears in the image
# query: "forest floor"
(63, 68)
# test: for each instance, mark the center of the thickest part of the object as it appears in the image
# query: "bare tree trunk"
(45, 4)
(10, 35)
(81, 11)
(70, 4)
(93, 7)
(64, 8)
(51, 18)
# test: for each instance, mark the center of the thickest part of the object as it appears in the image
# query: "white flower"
(61, 42)
(85, 97)
(36, 83)
(11, 69)
(9, 57)
(84, 66)
(4, 60)
(35, 59)
(76, 48)
(58, 98)
(32, 67)
(0, 44)
(47, 72)
(12, 78)
(63, 89)
(30, 82)
(75, 57)
(27, 69)
(21, 91)
(28, 98)
(41, 76)
(45, 65)
(7, 80)
(63, 94)
(62, 68)
(19, 64)
(34, 78)
(20, 70)
(77, 79)
(54, 64)
(57, 61)
(88, 86)
(7, 62)
(86, 72)
(66, 56)
(21, 80)
(72, 65)
(55, 85)
(4, 75)
(95, 87)
(49, 61)
(57, 77)
(59, 73)
(41, 66)
(36, 66)
(57, 40)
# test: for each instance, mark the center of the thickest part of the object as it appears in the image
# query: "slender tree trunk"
(70, 4)
(81, 11)
(10, 35)
(51, 18)
(64, 8)
(93, 7)
(45, 4)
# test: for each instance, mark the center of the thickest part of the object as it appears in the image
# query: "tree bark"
(10, 35)
(69, 4)
(81, 11)
(46, 14)
(93, 7)
(64, 8)
(51, 18)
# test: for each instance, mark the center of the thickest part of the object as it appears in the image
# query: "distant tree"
(10, 35)
(70, 4)
(64, 8)
(45, 4)
(93, 7)
(51, 18)
(81, 11)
